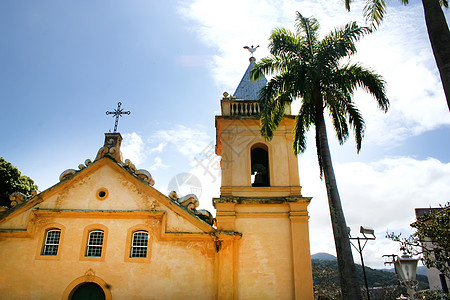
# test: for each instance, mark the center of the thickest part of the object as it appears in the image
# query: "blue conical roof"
(247, 88)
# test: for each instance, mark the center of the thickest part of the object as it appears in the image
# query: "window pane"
(139, 244)
(95, 243)
(140, 238)
(139, 252)
(51, 242)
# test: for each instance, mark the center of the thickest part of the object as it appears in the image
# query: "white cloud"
(158, 164)
(158, 149)
(381, 195)
(187, 141)
(133, 148)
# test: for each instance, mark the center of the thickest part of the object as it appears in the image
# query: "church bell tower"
(260, 197)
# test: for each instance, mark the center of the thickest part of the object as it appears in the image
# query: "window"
(95, 243)
(51, 242)
(139, 244)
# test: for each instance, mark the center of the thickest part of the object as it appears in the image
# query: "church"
(104, 231)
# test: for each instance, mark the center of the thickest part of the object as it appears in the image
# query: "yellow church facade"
(105, 232)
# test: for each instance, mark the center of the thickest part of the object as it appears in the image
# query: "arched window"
(51, 242)
(95, 243)
(139, 244)
(260, 165)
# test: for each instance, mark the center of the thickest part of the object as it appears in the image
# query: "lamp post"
(368, 234)
(406, 268)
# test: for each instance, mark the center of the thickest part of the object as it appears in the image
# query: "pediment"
(105, 186)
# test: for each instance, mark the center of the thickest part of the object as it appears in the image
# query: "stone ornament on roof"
(111, 148)
(190, 202)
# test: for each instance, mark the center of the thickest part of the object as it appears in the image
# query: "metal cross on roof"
(118, 113)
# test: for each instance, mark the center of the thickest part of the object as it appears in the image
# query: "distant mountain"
(421, 270)
(324, 256)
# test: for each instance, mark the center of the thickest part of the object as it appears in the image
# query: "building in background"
(436, 280)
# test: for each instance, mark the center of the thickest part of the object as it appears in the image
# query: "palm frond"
(339, 43)
(273, 98)
(369, 81)
(308, 28)
(338, 115)
(283, 42)
(357, 123)
(374, 11)
(307, 69)
(268, 65)
(303, 121)
(444, 3)
(347, 4)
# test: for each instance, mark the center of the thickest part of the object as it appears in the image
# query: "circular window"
(102, 194)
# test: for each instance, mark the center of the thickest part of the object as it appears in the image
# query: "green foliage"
(434, 295)
(326, 281)
(431, 240)
(375, 278)
(308, 68)
(374, 10)
(12, 181)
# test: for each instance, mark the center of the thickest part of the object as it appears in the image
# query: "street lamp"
(406, 268)
(368, 234)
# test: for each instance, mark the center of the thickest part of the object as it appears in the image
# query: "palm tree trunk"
(347, 271)
(439, 36)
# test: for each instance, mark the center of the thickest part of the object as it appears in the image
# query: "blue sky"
(63, 64)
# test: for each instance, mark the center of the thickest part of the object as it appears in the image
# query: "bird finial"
(251, 49)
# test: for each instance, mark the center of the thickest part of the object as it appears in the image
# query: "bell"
(259, 180)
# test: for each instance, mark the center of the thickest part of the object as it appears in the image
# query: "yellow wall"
(177, 268)
(181, 253)
(272, 257)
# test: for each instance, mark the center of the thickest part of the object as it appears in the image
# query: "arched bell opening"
(259, 165)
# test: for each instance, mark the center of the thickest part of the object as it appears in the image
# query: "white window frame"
(92, 246)
(138, 247)
(49, 245)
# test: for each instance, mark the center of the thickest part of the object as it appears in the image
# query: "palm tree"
(311, 70)
(437, 28)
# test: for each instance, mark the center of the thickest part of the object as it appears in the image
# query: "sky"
(63, 64)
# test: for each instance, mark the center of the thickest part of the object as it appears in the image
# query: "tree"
(308, 69)
(12, 181)
(438, 32)
(431, 240)
(325, 282)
